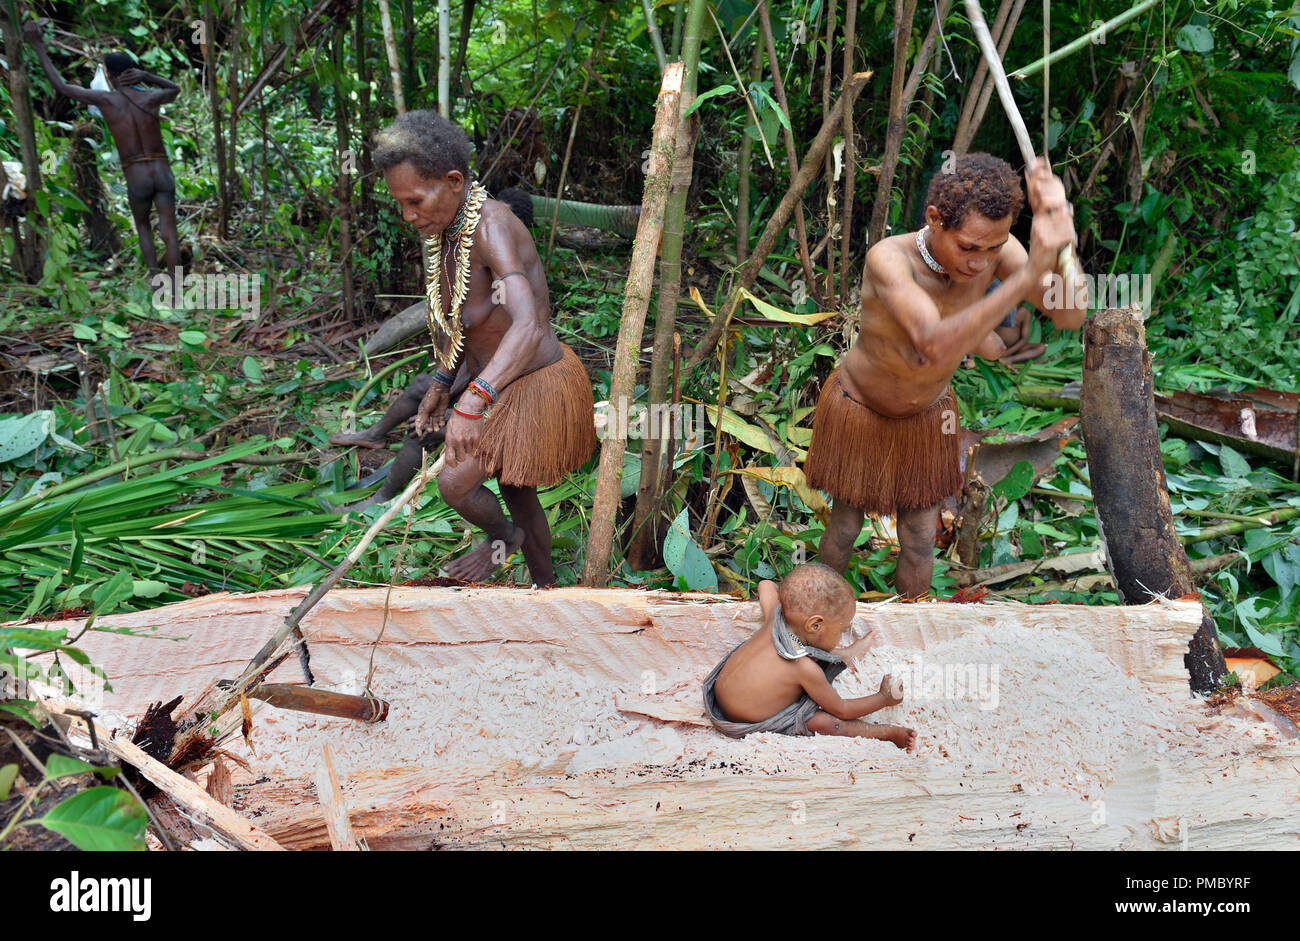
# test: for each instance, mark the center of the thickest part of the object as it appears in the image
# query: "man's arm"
(505, 256)
(165, 90)
(941, 341)
(91, 96)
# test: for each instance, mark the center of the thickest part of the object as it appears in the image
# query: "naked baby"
(780, 679)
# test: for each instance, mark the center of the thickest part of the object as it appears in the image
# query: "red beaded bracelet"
(475, 415)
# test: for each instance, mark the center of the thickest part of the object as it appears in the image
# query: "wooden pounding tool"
(323, 702)
(1066, 262)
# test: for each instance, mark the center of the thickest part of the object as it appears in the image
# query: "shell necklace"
(925, 252)
(461, 230)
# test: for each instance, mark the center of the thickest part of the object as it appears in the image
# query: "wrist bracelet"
(444, 378)
(479, 384)
(473, 387)
(474, 415)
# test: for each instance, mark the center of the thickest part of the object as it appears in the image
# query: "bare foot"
(485, 558)
(891, 689)
(903, 738)
(358, 439)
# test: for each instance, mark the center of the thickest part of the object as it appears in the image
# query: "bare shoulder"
(503, 239)
(1012, 258)
(887, 261)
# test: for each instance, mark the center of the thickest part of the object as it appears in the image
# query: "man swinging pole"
(132, 114)
(886, 437)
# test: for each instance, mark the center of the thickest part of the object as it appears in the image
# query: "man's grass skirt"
(879, 464)
(542, 426)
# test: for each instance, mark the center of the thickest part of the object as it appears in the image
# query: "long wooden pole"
(1066, 263)
(636, 301)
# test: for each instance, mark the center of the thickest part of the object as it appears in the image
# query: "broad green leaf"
(7, 775)
(700, 99)
(100, 819)
(83, 331)
(61, 766)
(1233, 464)
(1194, 39)
(252, 369)
(192, 337)
(1017, 482)
(147, 588)
(23, 434)
(686, 559)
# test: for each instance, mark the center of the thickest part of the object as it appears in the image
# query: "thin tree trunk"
(778, 86)
(345, 176)
(29, 247)
(831, 202)
(444, 58)
(573, 133)
(408, 44)
(462, 45)
(1130, 496)
(904, 10)
(644, 542)
(652, 27)
(979, 102)
(390, 46)
(367, 207)
(636, 301)
(780, 218)
(232, 92)
(744, 163)
(850, 153)
(90, 190)
(214, 100)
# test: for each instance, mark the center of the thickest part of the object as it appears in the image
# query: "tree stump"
(1117, 408)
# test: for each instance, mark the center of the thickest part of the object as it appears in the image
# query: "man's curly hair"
(426, 140)
(981, 182)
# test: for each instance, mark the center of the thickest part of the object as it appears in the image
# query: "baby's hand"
(891, 689)
(859, 647)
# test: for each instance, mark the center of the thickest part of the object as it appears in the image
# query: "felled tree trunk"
(1118, 414)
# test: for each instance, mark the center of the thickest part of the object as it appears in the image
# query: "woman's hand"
(463, 435)
(432, 414)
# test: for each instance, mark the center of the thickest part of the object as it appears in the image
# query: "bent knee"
(823, 723)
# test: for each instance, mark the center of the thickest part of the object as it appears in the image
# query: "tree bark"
(744, 163)
(850, 155)
(341, 100)
(462, 45)
(636, 302)
(831, 203)
(643, 547)
(780, 218)
(90, 190)
(29, 247)
(778, 86)
(214, 100)
(978, 101)
(1118, 416)
(390, 47)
